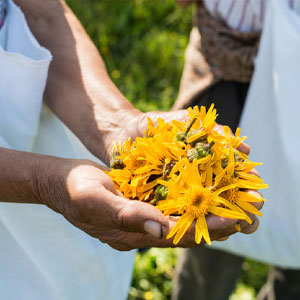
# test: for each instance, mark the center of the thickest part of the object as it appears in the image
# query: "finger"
(254, 172)
(251, 228)
(259, 205)
(219, 229)
(108, 183)
(136, 216)
(245, 148)
(223, 239)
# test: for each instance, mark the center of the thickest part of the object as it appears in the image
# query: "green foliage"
(142, 43)
(153, 273)
(254, 274)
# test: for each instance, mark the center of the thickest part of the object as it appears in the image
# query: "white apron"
(271, 120)
(42, 256)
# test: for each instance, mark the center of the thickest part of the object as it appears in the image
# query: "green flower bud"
(116, 163)
(161, 193)
(180, 137)
(201, 150)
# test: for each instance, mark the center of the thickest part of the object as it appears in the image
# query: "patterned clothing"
(2, 12)
(243, 15)
(216, 52)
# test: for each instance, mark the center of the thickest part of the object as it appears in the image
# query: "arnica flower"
(207, 121)
(235, 183)
(188, 170)
(199, 124)
(160, 155)
(235, 141)
(149, 159)
(193, 202)
(160, 128)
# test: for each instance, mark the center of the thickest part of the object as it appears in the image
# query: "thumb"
(136, 216)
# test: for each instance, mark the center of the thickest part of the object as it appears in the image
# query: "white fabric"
(42, 256)
(244, 15)
(271, 122)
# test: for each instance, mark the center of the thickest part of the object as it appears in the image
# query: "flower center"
(229, 195)
(198, 201)
(134, 163)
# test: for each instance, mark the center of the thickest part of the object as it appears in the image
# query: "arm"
(81, 94)
(85, 196)
(79, 90)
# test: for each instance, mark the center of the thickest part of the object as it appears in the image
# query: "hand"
(134, 123)
(86, 197)
(138, 124)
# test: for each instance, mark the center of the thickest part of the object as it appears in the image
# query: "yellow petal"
(203, 225)
(238, 227)
(227, 213)
(244, 184)
(198, 232)
(184, 227)
(248, 207)
(249, 197)
(249, 177)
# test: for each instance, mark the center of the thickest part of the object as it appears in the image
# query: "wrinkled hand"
(85, 196)
(137, 124)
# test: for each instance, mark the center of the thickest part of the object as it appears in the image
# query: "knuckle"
(121, 219)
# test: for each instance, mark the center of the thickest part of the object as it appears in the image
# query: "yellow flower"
(235, 141)
(189, 170)
(235, 183)
(193, 201)
(198, 125)
(205, 122)
(160, 128)
(146, 160)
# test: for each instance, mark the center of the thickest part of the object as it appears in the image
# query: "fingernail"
(164, 231)
(153, 228)
(255, 193)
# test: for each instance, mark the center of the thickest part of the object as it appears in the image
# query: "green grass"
(142, 43)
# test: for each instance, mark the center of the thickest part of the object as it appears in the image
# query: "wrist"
(47, 179)
(115, 125)
(22, 176)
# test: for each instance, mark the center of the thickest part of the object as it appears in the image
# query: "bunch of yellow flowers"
(188, 169)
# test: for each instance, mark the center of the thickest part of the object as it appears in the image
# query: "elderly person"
(46, 159)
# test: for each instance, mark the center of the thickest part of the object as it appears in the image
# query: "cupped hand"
(82, 192)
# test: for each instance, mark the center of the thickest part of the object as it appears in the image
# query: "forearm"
(79, 90)
(19, 174)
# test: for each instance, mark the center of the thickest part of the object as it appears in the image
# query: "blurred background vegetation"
(142, 43)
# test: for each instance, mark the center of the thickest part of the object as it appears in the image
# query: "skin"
(80, 92)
